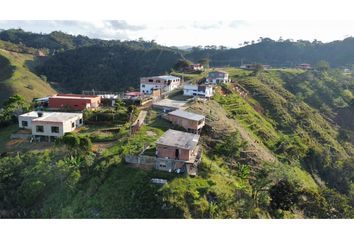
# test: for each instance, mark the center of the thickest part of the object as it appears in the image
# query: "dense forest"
(283, 53)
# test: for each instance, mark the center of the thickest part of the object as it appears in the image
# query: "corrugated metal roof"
(187, 115)
(179, 139)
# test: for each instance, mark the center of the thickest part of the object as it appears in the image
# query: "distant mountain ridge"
(280, 53)
(78, 62)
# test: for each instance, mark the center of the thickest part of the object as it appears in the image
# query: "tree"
(85, 144)
(119, 105)
(347, 95)
(12, 107)
(182, 64)
(231, 146)
(284, 195)
(205, 62)
(132, 109)
(322, 66)
(258, 68)
(71, 140)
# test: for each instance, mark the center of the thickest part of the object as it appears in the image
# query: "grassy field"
(17, 78)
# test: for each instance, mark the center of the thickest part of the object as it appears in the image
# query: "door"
(177, 154)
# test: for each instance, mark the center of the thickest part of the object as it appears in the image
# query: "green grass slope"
(17, 78)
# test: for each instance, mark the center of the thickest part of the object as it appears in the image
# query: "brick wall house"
(190, 121)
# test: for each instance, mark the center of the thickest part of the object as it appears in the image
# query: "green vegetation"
(16, 77)
(284, 150)
(281, 53)
(118, 67)
(12, 107)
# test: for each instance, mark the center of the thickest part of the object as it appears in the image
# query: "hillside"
(257, 151)
(286, 53)
(328, 90)
(58, 41)
(16, 76)
(106, 68)
(55, 41)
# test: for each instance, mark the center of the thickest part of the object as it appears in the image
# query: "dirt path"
(217, 118)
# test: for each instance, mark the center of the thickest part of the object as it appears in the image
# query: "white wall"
(28, 119)
(192, 90)
(146, 87)
(64, 127)
(47, 127)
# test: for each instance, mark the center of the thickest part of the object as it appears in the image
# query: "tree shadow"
(6, 69)
(33, 64)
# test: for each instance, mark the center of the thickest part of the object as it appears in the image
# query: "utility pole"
(130, 120)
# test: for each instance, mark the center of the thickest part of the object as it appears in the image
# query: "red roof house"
(74, 101)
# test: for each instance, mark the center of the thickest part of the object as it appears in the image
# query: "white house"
(198, 90)
(164, 83)
(216, 77)
(50, 125)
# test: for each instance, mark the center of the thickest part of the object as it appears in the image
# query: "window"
(158, 81)
(80, 121)
(143, 85)
(163, 165)
(40, 114)
(151, 80)
(55, 129)
(72, 124)
(39, 129)
(24, 124)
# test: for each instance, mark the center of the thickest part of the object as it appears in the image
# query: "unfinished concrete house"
(190, 121)
(176, 151)
(180, 147)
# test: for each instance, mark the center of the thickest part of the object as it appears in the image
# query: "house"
(198, 90)
(216, 77)
(168, 105)
(347, 71)
(190, 121)
(304, 66)
(180, 147)
(133, 95)
(49, 125)
(195, 68)
(248, 66)
(74, 102)
(253, 66)
(164, 83)
(108, 99)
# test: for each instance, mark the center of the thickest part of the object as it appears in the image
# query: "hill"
(286, 53)
(16, 76)
(266, 155)
(112, 68)
(58, 41)
(55, 41)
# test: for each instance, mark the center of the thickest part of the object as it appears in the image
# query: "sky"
(181, 33)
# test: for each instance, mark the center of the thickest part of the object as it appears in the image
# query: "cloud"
(207, 25)
(237, 24)
(123, 25)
